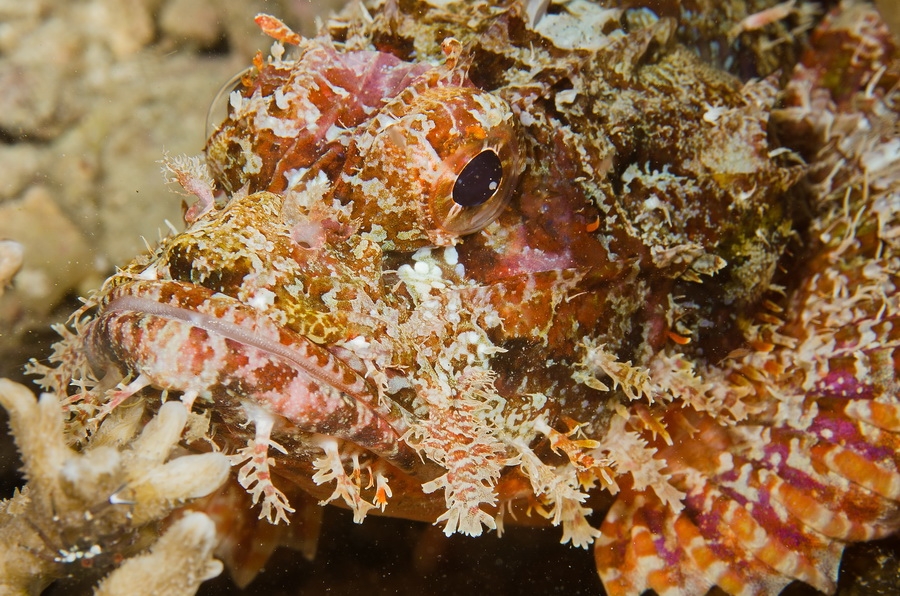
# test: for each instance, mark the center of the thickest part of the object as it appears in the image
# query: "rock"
(56, 256)
(191, 22)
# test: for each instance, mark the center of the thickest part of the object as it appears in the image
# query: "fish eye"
(481, 177)
(479, 180)
(439, 164)
(480, 148)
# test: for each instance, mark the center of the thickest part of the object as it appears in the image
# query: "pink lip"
(304, 362)
(302, 400)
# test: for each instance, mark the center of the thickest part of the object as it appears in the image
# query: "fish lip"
(204, 308)
(235, 331)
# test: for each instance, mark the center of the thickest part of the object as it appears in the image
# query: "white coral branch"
(93, 504)
(184, 552)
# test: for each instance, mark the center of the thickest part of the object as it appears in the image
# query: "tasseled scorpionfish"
(460, 261)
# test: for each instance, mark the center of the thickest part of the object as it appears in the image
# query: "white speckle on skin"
(281, 100)
(333, 132)
(277, 51)
(713, 113)
(262, 299)
(357, 343)
(149, 274)
(451, 256)
(236, 100)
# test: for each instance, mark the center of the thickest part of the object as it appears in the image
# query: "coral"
(101, 504)
(184, 551)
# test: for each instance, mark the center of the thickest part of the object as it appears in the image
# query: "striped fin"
(766, 504)
(644, 545)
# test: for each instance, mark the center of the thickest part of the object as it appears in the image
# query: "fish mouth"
(185, 337)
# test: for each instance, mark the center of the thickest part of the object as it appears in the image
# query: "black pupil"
(479, 180)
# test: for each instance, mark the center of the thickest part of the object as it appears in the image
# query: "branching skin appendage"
(473, 264)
